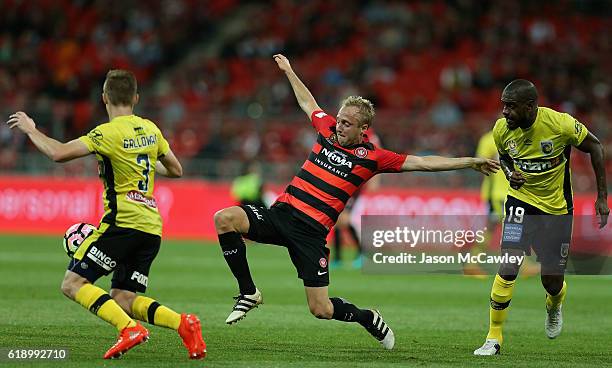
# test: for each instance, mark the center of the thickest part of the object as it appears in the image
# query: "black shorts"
(306, 245)
(527, 227)
(128, 253)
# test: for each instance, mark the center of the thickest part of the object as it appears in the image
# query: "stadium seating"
(433, 69)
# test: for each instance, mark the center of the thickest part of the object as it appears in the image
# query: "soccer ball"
(75, 235)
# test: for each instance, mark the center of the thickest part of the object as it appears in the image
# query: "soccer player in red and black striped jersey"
(341, 161)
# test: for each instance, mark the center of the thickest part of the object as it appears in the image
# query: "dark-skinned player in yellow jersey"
(534, 145)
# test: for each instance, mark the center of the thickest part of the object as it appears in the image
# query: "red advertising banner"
(45, 205)
(41, 205)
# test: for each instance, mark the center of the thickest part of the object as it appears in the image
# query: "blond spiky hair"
(366, 108)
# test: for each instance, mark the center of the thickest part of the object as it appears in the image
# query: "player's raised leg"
(230, 224)
(556, 289)
(324, 307)
(100, 303)
(149, 310)
(501, 295)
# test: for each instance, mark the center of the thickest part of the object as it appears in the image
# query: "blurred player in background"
(492, 192)
(534, 145)
(340, 162)
(248, 188)
(130, 150)
(494, 187)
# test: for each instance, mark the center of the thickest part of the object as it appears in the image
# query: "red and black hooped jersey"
(332, 174)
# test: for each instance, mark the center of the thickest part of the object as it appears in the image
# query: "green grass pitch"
(438, 319)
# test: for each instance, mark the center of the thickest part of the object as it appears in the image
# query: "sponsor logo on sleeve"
(577, 127)
(96, 136)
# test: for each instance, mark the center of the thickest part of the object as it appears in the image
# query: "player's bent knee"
(125, 299)
(231, 219)
(321, 311)
(224, 220)
(71, 285)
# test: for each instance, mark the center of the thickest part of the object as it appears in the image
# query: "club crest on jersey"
(323, 262)
(361, 152)
(337, 158)
(512, 147)
(547, 147)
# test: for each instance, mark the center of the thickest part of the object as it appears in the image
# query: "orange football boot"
(191, 333)
(128, 338)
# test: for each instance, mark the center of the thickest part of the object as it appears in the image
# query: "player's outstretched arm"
(55, 150)
(303, 95)
(591, 145)
(169, 166)
(439, 163)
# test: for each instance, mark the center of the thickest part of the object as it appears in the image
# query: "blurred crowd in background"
(434, 70)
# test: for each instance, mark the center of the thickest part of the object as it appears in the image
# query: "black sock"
(347, 312)
(337, 244)
(234, 252)
(353, 233)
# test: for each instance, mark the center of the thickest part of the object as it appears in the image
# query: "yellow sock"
(148, 310)
(501, 294)
(553, 301)
(98, 302)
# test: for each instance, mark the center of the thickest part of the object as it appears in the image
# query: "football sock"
(234, 252)
(501, 294)
(553, 301)
(148, 310)
(347, 312)
(102, 305)
(337, 244)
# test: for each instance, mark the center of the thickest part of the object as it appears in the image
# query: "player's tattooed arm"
(55, 150)
(594, 148)
(515, 178)
(305, 99)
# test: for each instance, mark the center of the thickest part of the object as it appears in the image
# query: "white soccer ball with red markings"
(76, 235)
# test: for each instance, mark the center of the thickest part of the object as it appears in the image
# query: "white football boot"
(553, 322)
(490, 347)
(381, 331)
(244, 303)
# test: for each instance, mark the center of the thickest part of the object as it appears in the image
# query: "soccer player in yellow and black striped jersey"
(534, 144)
(129, 150)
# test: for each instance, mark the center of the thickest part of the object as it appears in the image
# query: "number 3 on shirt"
(143, 185)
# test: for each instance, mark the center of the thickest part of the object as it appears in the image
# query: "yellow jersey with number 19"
(542, 155)
(127, 149)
